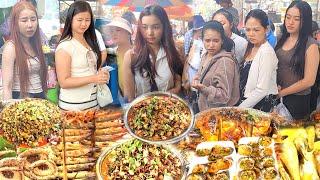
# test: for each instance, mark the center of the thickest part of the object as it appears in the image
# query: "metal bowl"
(164, 94)
(171, 148)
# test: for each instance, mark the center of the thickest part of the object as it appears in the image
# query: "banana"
(311, 136)
(301, 145)
(289, 157)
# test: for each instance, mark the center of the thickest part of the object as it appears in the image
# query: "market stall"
(156, 136)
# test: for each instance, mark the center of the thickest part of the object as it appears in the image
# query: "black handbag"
(193, 100)
(267, 103)
(195, 95)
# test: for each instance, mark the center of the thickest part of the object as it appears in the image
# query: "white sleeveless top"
(83, 63)
(164, 77)
(34, 85)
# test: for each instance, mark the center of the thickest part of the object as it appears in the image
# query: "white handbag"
(282, 110)
(104, 95)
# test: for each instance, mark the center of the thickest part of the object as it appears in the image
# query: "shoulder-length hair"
(227, 43)
(141, 60)
(89, 35)
(298, 59)
(21, 62)
(262, 17)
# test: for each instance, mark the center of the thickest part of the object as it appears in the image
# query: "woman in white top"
(154, 63)
(23, 65)
(258, 84)
(78, 60)
(240, 44)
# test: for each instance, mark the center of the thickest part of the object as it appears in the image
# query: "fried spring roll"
(76, 132)
(78, 175)
(76, 138)
(110, 131)
(108, 116)
(109, 124)
(76, 160)
(80, 152)
(103, 138)
(78, 167)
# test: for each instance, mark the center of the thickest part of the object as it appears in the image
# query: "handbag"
(195, 97)
(267, 103)
(104, 96)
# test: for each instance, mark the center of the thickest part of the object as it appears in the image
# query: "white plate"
(247, 140)
(204, 160)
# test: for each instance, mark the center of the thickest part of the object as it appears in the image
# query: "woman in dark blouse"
(298, 58)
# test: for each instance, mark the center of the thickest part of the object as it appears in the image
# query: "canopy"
(138, 5)
(179, 12)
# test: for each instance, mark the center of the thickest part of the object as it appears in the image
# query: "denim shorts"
(16, 95)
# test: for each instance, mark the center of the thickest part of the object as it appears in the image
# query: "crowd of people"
(218, 67)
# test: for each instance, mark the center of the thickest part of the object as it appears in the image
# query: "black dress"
(244, 72)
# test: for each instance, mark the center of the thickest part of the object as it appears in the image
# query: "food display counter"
(156, 137)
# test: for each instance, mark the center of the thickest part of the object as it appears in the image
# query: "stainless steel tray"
(171, 148)
(165, 94)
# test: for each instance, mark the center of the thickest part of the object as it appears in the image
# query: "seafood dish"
(19, 119)
(257, 158)
(245, 149)
(219, 164)
(246, 163)
(159, 118)
(207, 176)
(247, 175)
(229, 124)
(213, 160)
(135, 159)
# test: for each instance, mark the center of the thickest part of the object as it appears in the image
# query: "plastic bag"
(282, 110)
(104, 95)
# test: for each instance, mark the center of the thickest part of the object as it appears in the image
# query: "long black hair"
(229, 17)
(227, 43)
(262, 17)
(141, 59)
(90, 35)
(297, 61)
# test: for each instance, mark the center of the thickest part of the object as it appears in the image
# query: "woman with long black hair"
(78, 60)
(154, 63)
(240, 44)
(298, 56)
(258, 72)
